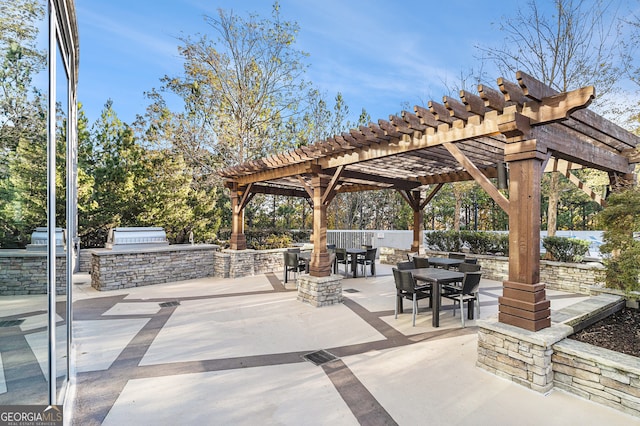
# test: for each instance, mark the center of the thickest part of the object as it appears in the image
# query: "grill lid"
(136, 238)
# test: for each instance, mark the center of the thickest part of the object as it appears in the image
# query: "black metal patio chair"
(406, 288)
(341, 259)
(369, 258)
(469, 292)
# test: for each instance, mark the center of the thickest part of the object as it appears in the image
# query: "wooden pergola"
(526, 125)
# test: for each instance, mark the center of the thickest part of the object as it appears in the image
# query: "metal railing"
(349, 238)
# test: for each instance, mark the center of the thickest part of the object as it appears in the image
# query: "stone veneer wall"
(548, 359)
(23, 272)
(85, 260)
(244, 263)
(320, 291)
(570, 277)
(607, 377)
(519, 355)
(111, 270)
(391, 256)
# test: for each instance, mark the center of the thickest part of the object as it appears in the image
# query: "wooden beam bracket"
(331, 190)
(479, 177)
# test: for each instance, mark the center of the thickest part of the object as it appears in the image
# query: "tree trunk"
(456, 213)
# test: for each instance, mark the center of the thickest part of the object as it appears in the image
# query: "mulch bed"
(619, 332)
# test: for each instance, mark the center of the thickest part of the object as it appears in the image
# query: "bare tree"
(240, 86)
(576, 45)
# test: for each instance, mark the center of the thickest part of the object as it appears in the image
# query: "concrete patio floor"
(230, 352)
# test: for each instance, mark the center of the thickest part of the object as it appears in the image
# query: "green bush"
(620, 219)
(264, 239)
(274, 241)
(478, 242)
(443, 241)
(565, 249)
(500, 244)
(483, 242)
(622, 271)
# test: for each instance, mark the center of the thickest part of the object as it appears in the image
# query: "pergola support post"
(414, 198)
(238, 240)
(320, 265)
(524, 302)
(417, 229)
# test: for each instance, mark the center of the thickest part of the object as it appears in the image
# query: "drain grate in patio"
(351, 290)
(169, 304)
(11, 323)
(319, 357)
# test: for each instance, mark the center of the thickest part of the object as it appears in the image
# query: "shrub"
(565, 249)
(500, 244)
(264, 239)
(620, 219)
(479, 242)
(622, 271)
(273, 241)
(443, 241)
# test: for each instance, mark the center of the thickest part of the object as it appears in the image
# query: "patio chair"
(460, 256)
(341, 258)
(457, 285)
(471, 260)
(369, 258)
(469, 292)
(332, 258)
(420, 262)
(406, 288)
(403, 266)
(469, 267)
(292, 264)
(411, 255)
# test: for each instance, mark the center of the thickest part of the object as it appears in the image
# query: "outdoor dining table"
(437, 277)
(444, 262)
(354, 252)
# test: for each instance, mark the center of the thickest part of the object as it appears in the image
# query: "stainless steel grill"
(134, 238)
(39, 239)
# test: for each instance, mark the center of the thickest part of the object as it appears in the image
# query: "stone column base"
(320, 291)
(519, 355)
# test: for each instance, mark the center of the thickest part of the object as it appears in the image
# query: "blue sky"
(379, 54)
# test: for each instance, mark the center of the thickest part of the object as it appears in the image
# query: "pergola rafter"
(525, 124)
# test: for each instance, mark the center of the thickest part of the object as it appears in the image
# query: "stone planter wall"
(570, 277)
(598, 374)
(245, 263)
(393, 256)
(23, 272)
(111, 270)
(548, 359)
(519, 355)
